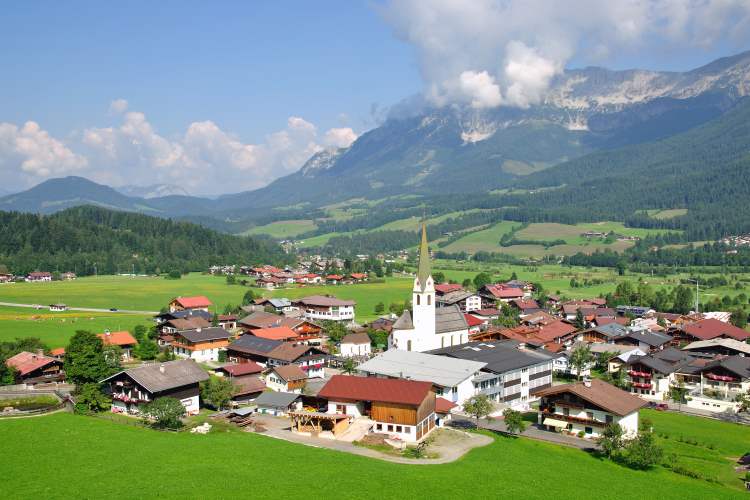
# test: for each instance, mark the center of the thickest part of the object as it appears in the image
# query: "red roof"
(348, 388)
(334, 277)
(117, 338)
(490, 311)
(447, 287)
(555, 330)
(504, 292)
(193, 302)
(526, 304)
(58, 351)
(275, 333)
(239, 369)
(554, 347)
(442, 405)
(473, 320)
(26, 362)
(358, 276)
(708, 329)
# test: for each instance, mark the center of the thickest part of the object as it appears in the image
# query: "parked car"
(662, 407)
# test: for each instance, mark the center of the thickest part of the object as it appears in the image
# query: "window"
(408, 345)
(590, 415)
(418, 299)
(379, 427)
(609, 419)
(398, 428)
(390, 428)
(429, 299)
(588, 430)
(566, 411)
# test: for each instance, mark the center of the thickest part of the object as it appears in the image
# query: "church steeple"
(423, 271)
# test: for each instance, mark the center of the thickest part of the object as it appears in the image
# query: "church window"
(429, 299)
(442, 341)
(408, 345)
(418, 296)
(451, 339)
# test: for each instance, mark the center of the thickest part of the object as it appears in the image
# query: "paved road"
(85, 309)
(531, 432)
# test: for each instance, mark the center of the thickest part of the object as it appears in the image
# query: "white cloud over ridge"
(488, 53)
(205, 159)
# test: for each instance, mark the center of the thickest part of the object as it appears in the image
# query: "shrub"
(164, 413)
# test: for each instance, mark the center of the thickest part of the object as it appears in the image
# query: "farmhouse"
(35, 368)
(355, 344)
(452, 377)
(400, 408)
(123, 339)
(227, 321)
(466, 301)
(280, 305)
(493, 294)
(38, 277)
(727, 347)
(246, 379)
(134, 388)
(306, 331)
(708, 329)
(283, 333)
(588, 407)
(190, 303)
(286, 378)
(321, 307)
(201, 344)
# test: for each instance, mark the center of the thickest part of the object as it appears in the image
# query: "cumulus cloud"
(339, 137)
(32, 154)
(487, 53)
(118, 106)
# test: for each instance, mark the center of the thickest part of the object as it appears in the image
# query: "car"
(662, 407)
(113, 309)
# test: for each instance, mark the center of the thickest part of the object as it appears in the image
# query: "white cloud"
(32, 154)
(118, 106)
(339, 137)
(487, 53)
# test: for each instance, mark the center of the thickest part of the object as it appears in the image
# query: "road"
(533, 431)
(84, 309)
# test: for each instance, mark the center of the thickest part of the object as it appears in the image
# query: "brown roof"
(189, 324)
(349, 388)
(356, 338)
(601, 394)
(708, 329)
(289, 352)
(239, 369)
(248, 385)
(262, 319)
(290, 373)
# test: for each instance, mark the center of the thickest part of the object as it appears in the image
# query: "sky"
(227, 96)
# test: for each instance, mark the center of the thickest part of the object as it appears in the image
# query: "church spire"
(423, 271)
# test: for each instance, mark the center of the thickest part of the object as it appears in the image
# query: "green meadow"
(87, 457)
(283, 229)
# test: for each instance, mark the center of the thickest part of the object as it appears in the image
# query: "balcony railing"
(574, 420)
(634, 373)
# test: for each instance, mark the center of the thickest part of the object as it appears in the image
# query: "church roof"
(449, 319)
(404, 322)
(423, 271)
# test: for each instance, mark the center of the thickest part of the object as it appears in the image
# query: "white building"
(322, 307)
(452, 377)
(427, 327)
(588, 407)
(355, 344)
(286, 378)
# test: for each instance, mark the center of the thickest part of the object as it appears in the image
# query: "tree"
(514, 422)
(478, 406)
(438, 277)
(217, 391)
(514, 276)
(378, 337)
(482, 279)
(335, 330)
(89, 398)
(379, 308)
(248, 298)
(643, 452)
(580, 358)
(466, 283)
(349, 366)
(174, 275)
(146, 350)
(683, 299)
(215, 320)
(611, 440)
(231, 280)
(164, 413)
(580, 321)
(744, 402)
(139, 332)
(738, 318)
(85, 360)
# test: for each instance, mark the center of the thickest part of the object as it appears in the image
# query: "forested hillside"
(78, 239)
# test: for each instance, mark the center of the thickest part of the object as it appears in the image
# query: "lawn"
(92, 458)
(55, 328)
(283, 229)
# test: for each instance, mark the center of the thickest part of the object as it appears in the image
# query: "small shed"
(277, 403)
(315, 422)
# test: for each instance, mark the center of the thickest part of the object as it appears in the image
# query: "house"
(227, 321)
(123, 339)
(58, 307)
(236, 371)
(283, 333)
(201, 344)
(334, 279)
(278, 403)
(249, 348)
(723, 346)
(279, 306)
(474, 324)
(307, 331)
(188, 314)
(132, 389)
(286, 378)
(646, 340)
(525, 306)
(322, 307)
(588, 407)
(38, 277)
(512, 375)
(35, 368)
(68, 276)
(384, 323)
(443, 409)
(58, 352)
(561, 364)
(453, 378)
(620, 354)
(246, 379)
(708, 329)
(607, 334)
(466, 301)
(540, 335)
(270, 282)
(269, 353)
(652, 376)
(493, 294)
(358, 277)
(6, 278)
(486, 315)
(721, 381)
(403, 409)
(442, 289)
(355, 344)
(187, 303)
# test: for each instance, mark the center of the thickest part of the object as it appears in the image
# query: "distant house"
(321, 307)
(123, 339)
(190, 303)
(201, 344)
(278, 403)
(134, 388)
(307, 331)
(355, 344)
(445, 288)
(38, 277)
(286, 378)
(68, 276)
(466, 301)
(269, 283)
(35, 368)
(58, 352)
(6, 278)
(269, 353)
(359, 277)
(588, 407)
(334, 279)
(492, 294)
(280, 305)
(58, 307)
(525, 306)
(400, 408)
(475, 324)
(646, 340)
(723, 346)
(246, 379)
(561, 364)
(228, 321)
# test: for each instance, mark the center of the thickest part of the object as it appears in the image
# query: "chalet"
(286, 378)
(190, 303)
(561, 364)
(493, 294)
(170, 327)
(606, 334)
(334, 279)
(637, 311)
(620, 354)
(279, 306)
(512, 375)
(721, 381)
(708, 329)
(6, 278)
(475, 324)
(235, 371)
(355, 344)
(404, 409)
(132, 389)
(523, 285)
(38, 277)
(122, 339)
(651, 376)
(270, 353)
(35, 368)
(182, 314)
(453, 378)
(278, 403)
(525, 306)
(249, 348)
(589, 407)
(307, 331)
(201, 344)
(247, 389)
(466, 301)
(270, 282)
(446, 288)
(283, 333)
(722, 346)
(321, 307)
(646, 340)
(358, 277)
(486, 315)
(228, 321)
(58, 307)
(264, 271)
(540, 335)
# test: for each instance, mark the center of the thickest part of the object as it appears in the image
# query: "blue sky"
(245, 92)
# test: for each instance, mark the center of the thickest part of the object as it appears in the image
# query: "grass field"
(55, 328)
(484, 240)
(94, 458)
(283, 229)
(667, 214)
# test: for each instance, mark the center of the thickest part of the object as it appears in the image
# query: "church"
(427, 327)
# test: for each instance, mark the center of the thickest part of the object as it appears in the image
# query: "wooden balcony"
(574, 420)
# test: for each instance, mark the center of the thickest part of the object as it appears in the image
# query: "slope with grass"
(283, 229)
(97, 454)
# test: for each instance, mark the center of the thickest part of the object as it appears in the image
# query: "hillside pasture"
(283, 229)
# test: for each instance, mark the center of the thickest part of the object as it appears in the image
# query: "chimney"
(161, 368)
(587, 382)
(40, 352)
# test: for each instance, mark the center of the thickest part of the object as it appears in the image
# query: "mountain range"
(433, 152)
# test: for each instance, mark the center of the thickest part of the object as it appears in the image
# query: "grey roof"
(736, 364)
(612, 330)
(255, 345)
(731, 344)
(205, 334)
(280, 400)
(175, 374)
(279, 303)
(440, 370)
(653, 363)
(454, 297)
(449, 319)
(404, 322)
(501, 356)
(652, 339)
